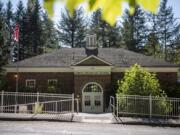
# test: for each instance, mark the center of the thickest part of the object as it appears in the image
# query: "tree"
(138, 81)
(111, 9)
(168, 29)
(71, 29)
(9, 18)
(134, 30)
(152, 47)
(2, 46)
(18, 48)
(36, 29)
(107, 36)
(49, 34)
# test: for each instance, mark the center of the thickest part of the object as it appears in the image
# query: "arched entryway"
(92, 98)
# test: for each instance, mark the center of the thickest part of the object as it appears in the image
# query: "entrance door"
(92, 98)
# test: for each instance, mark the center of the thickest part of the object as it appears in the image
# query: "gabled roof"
(92, 61)
(66, 57)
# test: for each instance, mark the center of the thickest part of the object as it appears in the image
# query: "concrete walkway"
(148, 121)
(94, 118)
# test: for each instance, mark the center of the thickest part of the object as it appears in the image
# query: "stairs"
(94, 118)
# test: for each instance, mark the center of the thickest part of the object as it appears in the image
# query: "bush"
(138, 81)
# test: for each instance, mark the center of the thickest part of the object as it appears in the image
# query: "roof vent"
(91, 47)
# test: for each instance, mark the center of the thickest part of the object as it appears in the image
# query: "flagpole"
(16, 38)
(17, 77)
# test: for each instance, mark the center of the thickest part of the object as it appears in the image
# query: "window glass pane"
(52, 82)
(92, 88)
(30, 83)
(97, 103)
(87, 103)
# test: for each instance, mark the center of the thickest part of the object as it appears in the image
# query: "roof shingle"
(65, 57)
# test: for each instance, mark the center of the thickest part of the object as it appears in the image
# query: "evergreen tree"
(134, 29)
(2, 44)
(107, 36)
(152, 46)
(168, 29)
(18, 49)
(71, 29)
(36, 29)
(9, 18)
(50, 37)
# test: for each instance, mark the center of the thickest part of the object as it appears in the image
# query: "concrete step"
(94, 118)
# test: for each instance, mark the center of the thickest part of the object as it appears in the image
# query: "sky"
(59, 6)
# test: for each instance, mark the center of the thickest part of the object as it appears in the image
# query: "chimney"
(91, 46)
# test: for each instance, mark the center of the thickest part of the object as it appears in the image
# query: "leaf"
(48, 5)
(151, 5)
(73, 4)
(110, 9)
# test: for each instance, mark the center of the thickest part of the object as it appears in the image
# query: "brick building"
(89, 73)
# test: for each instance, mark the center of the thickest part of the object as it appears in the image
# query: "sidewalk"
(148, 121)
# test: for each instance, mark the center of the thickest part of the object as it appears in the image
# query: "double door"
(92, 102)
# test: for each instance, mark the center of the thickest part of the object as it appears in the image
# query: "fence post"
(73, 103)
(150, 106)
(2, 101)
(77, 105)
(37, 97)
(117, 104)
(56, 106)
(114, 109)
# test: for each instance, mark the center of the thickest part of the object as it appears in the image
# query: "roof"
(66, 57)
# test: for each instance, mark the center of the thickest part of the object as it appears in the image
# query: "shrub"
(138, 81)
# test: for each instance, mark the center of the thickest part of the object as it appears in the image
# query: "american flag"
(16, 33)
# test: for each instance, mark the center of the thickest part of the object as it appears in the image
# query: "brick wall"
(65, 81)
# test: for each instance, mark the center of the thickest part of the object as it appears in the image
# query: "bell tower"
(91, 45)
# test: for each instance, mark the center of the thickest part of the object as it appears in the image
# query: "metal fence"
(12, 98)
(145, 106)
(47, 107)
(41, 103)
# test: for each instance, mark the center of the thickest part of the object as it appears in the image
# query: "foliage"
(37, 108)
(152, 47)
(37, 32)
(107, 36)
(71, 29)
(137, 81)
(134, 30)
(110, 9)
(167, 30)
(50, 34)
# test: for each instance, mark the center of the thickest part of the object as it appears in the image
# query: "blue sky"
(59, 6)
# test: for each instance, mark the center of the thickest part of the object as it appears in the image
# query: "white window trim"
(31, 80)
(52, 80)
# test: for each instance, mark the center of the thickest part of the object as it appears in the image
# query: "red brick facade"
(69, 83)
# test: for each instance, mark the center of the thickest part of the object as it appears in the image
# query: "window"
(92, 87)
(52, 82)
(30, 83)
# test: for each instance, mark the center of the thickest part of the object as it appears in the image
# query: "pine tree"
(168, 29)
(49, 35)
(71, 29)
(134, 29)
(152, 47)
(18, 49)
(107, 36)
(36, 29)
(9, 20)
(2, 43)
